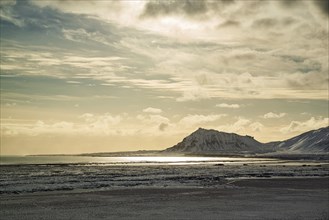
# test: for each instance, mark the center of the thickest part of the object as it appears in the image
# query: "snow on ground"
(16, 179)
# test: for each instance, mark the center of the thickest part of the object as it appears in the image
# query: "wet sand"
(291, 198)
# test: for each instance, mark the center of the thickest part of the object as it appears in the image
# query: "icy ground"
(17, 179)
(253, 200)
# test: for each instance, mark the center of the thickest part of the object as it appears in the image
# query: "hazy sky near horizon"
(90, 76)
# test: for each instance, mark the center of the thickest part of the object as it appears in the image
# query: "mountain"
(212, 141)
(315, 141)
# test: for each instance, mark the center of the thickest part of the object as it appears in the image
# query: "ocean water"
(140, 160)
(33, 174)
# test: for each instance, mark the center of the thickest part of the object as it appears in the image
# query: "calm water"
(12, 160)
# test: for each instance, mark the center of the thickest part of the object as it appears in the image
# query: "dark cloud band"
(189, 8)
(323, 5)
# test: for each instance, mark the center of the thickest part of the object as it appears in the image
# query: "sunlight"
(168, 159)
(179, 159)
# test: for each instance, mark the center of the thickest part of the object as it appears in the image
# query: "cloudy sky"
(90, 76)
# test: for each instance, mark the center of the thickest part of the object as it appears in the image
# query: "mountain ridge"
(213, 141)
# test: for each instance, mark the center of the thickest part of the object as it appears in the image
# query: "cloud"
(152, 110)
(151, 124)
(8, 14)
(81, 35)
(122, 12)
(7, 3)
(311, 80)
(205, 62)
(192, 120)
(99, 124)
(273, 115)
(183, 17)
(153, 119)
(91, 124)
(187, 7)
(163, 126)
(290, 3)
(225, 105)
(38, 128)
(303, 126)
(323, 5)
(229, 23)
(238, 126)
(193, 93)
(265, 23)
(87, 117)
(11, 104)
(106, 118)
(256, 126)
(73, 82)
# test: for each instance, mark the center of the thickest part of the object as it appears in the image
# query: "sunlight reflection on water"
(137, 160)
(183, 159)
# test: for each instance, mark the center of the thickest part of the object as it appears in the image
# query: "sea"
(139, 160)
(42, 174)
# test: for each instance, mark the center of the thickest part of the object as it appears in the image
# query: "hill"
(212, 141)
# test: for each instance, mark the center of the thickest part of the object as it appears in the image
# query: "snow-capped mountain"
(315, 141)
(212, 141)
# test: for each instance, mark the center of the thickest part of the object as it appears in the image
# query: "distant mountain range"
(212, 141)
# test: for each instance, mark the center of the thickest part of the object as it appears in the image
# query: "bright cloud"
(225, 105)
(152, 110)
(256, 126)
(303, 126)
(192, 120)
(238, 126)
(158, 119)
(273, 115)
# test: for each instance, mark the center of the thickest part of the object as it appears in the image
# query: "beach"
(275, 198)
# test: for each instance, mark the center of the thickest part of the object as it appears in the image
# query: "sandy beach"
(280, 198)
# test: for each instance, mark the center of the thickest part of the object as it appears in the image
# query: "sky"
(103, 76)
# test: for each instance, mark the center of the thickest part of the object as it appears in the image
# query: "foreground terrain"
(164, 188)
(281, 198)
